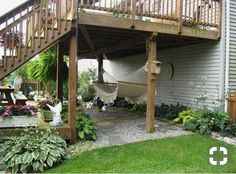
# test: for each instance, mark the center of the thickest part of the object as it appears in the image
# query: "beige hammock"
(132, 92)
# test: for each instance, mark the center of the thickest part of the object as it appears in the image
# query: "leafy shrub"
(185, 116)
(230, 129)
(64, 112)
(120, 102)
(86, 89)
(86, 129)
(35, 151)
(169, 111)
(207, 121)
(87, 92)
(139, 107)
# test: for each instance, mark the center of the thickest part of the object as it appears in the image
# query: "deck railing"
(204, 13)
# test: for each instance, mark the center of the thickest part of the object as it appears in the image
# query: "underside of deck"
(96, 37)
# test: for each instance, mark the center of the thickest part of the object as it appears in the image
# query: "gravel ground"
(118, 126)
(79, 148)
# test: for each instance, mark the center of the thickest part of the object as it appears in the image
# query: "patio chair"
(18, 97)
(17, 84)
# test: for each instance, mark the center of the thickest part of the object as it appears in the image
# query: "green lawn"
(179, 154)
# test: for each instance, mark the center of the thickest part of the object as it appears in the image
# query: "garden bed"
(63, 131)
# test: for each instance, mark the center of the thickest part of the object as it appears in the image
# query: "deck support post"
(72, 87)
(151, 48)
(59, 72)
(133, 12)
(100, 68)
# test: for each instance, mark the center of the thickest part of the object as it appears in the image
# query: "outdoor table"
(5, 95)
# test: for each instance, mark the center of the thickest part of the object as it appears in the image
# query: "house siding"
(232, 47)
(191, 63)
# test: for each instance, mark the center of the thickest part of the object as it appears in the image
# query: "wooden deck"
(193, 18)
(120, 28)
(164, 26)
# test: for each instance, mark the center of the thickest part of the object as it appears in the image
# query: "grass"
(179, 154)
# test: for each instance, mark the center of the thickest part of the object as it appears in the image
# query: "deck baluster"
(5, 46)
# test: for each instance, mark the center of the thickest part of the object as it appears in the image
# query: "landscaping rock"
(79, 148)
(229, 140)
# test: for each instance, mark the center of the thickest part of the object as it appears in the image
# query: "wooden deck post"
(133, 12)
(59, 72)
(72, 87)
(100, 68)
(151, 84)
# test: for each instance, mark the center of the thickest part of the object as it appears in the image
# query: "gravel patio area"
(117, 126)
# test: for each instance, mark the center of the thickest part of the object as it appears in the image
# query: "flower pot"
(11, 39)
(10, 44)
(49, 20)
(46, 115)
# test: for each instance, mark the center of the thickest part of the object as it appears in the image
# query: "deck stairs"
(31, 28)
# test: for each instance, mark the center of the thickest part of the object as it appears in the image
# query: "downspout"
(227, 51)
(222, 54)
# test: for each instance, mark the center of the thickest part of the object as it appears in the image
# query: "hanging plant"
(44, 69)
(47, 19)
(11, 39)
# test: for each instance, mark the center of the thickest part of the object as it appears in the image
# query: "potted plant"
(45, 111)
(11, 39)
(47, 19)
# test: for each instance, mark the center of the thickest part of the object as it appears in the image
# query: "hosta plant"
(34, 151)
(207, 121)
(185, 116)
(86, 129)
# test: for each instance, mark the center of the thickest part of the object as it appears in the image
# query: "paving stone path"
(118, 126)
